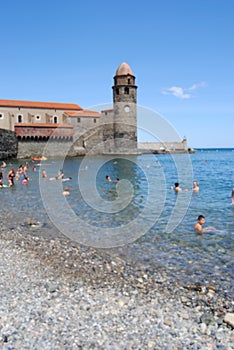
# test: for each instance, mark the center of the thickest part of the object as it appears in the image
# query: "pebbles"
(55, 294)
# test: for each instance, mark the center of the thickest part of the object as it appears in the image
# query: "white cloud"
(183, 93)
(196, 86)
(177, 92)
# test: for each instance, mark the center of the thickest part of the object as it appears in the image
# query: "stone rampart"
(8, 144)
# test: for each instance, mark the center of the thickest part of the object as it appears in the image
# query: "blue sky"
(181, 52)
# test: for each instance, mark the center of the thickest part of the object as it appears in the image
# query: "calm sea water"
(143, 193)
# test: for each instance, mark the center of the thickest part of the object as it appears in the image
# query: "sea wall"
(163, 147)
(8, 144)
(28, 149)
(92, 142)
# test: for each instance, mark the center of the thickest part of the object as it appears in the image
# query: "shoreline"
(57, 294)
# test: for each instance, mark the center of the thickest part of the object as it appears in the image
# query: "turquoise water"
(169, 241)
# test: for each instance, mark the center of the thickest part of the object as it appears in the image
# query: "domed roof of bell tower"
(124, 69)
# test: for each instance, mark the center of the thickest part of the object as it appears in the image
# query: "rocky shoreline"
(56, 294)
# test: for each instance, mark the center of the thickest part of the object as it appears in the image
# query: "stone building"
(34, 123)
(27, 126)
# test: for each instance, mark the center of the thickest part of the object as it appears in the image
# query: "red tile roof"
(43, 125)
(84, 113)
(42, 105)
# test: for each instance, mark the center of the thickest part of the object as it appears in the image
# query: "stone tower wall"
(125, 112)
(8, 144)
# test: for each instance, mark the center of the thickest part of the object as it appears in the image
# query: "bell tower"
(125, 108)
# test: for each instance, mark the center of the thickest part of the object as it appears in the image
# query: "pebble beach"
(56, 294)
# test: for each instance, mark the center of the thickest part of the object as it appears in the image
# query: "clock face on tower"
(127, 109)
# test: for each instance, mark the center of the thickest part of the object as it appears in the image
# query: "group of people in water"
(177, 187)
(12, 175)
(108, 179)
(198, 226)
(22, 172)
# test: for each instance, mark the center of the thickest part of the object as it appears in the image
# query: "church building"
(26, 126)
(34, 123)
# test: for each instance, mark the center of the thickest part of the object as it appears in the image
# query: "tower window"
(95, 120)
(129, 81)
(126, 91)
(78, 120)
(55, 119)
(117, 91)
(20, 118)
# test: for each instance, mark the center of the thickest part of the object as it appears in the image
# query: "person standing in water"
(10, 177)
(1, 179)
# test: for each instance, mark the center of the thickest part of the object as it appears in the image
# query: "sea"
(138, 217)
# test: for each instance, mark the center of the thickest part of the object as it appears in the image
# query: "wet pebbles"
(55, 294)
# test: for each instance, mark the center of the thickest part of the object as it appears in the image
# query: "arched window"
(129, 81)
(20, 118)
(126, 91)
(55, 119)
(117, 91)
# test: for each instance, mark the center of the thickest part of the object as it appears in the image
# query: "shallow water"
(140, 209)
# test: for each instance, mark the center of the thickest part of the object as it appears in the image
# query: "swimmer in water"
(108, 179)
(176, 188)
(44, 175)
(66, 192)
(198, 226)
(60, 175)
(195, 186)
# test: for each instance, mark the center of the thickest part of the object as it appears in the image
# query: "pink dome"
(124, 69)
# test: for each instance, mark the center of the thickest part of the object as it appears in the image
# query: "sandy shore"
(56, 294)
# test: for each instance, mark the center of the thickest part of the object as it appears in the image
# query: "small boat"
(38, 158)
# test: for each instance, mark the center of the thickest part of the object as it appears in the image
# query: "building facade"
(33, 124)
